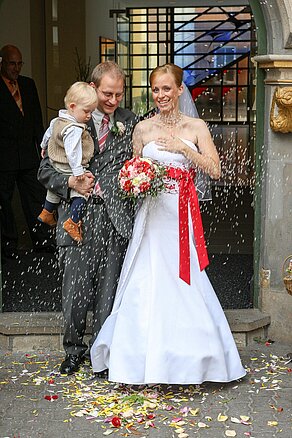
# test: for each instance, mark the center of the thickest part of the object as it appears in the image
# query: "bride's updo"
(169, 68)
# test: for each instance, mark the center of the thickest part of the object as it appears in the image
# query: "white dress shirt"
(72, 142)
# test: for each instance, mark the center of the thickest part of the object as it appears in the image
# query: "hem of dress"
(193, 382)
(99, 370)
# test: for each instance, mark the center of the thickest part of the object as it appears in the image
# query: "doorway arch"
(226, 31)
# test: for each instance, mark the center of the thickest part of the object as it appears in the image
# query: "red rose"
(267, 344)
(144, 187)
(127, 186)
(116, 422)
(51, 397)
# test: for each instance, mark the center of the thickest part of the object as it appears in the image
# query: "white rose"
(121, 128)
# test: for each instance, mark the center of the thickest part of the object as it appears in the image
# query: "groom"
(90, 271)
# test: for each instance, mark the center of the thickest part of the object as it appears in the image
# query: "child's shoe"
(47, 217)
(73, 229)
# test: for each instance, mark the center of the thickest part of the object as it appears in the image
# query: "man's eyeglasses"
(14, 63)
(117, 96)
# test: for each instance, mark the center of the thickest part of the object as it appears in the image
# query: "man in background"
(21, 131)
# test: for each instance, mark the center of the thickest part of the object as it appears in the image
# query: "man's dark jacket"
(20, 135)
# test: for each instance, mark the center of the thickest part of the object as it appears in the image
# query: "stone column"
(276, 192)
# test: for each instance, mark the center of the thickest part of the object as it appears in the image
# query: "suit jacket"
(105, 167)
(20, 135)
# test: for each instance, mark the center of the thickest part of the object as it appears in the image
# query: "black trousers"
(32, 196)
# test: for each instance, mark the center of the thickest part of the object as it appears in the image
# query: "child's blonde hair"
(80, 93)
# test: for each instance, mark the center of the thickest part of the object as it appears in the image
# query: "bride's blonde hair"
(169, 68)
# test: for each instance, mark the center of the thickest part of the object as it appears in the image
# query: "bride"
(167, 325)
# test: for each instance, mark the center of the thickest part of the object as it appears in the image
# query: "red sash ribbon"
(188, 196)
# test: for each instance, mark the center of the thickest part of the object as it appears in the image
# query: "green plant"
(82, 67)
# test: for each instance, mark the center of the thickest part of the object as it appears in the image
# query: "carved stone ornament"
(281, 121)
(265, 278)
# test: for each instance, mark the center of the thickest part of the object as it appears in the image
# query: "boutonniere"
(118, 128)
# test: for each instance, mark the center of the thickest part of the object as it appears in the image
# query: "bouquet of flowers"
(140, 177)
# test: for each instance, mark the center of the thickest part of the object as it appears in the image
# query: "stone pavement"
(37, 402)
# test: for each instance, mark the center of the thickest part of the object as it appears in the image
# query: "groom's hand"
(84, 186)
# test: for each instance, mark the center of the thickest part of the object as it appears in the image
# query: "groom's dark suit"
(91, 270)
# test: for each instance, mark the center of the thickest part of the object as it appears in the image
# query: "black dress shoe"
(71, 364)
(102, 374)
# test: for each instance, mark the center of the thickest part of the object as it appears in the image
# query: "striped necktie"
(103, 132)
(15, 94)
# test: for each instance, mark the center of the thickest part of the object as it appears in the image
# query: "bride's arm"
(137, 140)
(207, 159)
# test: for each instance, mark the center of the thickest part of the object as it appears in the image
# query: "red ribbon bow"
(188, 196)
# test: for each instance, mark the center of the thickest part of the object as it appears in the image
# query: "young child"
(70, 148)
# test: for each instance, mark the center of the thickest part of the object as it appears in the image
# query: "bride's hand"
(171, 144)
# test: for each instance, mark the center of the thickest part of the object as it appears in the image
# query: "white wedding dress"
(162, 330)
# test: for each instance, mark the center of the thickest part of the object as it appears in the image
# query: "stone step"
(25, 331)
(247, 325)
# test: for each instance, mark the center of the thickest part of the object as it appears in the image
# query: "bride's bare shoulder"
(144, 127)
